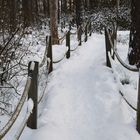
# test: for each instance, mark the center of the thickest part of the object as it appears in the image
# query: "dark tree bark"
(48, 9)
(70, 7)
(134, 44)
(79, 11)
(54, 21)
(45, 7)
(12, 15)
(25, 5)
(34, 11)
(64, 6)
(91, 4)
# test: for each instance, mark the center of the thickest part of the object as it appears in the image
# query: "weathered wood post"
(33, 93)
(112, 35)
(68, 44)
(86, 32)
(50, 56)
(138, 107)
(79, 34)
(108, 48)
(90, 29)
(115, 37)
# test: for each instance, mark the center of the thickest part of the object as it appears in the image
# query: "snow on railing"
(31, 87)
(11, 121)
(24, 122)
(110, 46)
(45, 53)
(120, 86)
(30, 92)
(110, 51)
(85, 28)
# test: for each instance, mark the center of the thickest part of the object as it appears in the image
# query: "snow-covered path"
(83, 102)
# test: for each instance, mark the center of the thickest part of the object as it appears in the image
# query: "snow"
(30, 105)
(32, 66)
(82, 100)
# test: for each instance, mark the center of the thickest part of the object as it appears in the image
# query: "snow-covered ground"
(82, 101)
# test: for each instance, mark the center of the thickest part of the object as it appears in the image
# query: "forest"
(31, 29)
(19, 17)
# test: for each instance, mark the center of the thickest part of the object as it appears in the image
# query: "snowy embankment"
(82, 100)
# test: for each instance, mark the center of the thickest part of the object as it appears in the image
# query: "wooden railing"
(111, 50)
(82, 33)
(30, 92)
(15, 115)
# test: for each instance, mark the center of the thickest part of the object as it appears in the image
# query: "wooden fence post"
(33, 93)
(108, 49)
(86, 32)
(49, 55)
(90, 29)
(79, 34)
(138, 107)
(68, 44)
(112, 33)
(114, 39)
(69, 26)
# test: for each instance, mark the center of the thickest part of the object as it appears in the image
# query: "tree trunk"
(12, 15)
(48, 8)
(45, 7)
(134, 44)
(79, 11)
(25, 5)
(54, 21)
(64, 6)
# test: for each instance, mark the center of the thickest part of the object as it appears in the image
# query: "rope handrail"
(76, 31)
(67, 35)
(80, 27)
(19, 106)
(62, 38)
(120, 89)
(45, 58)
(23, 124)
(41, 97)
(57, 61)
(45, 54)
(22, 100)
(127, 101)
(124, 64)
(75, 48)
(118, 57)
(11, 121)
